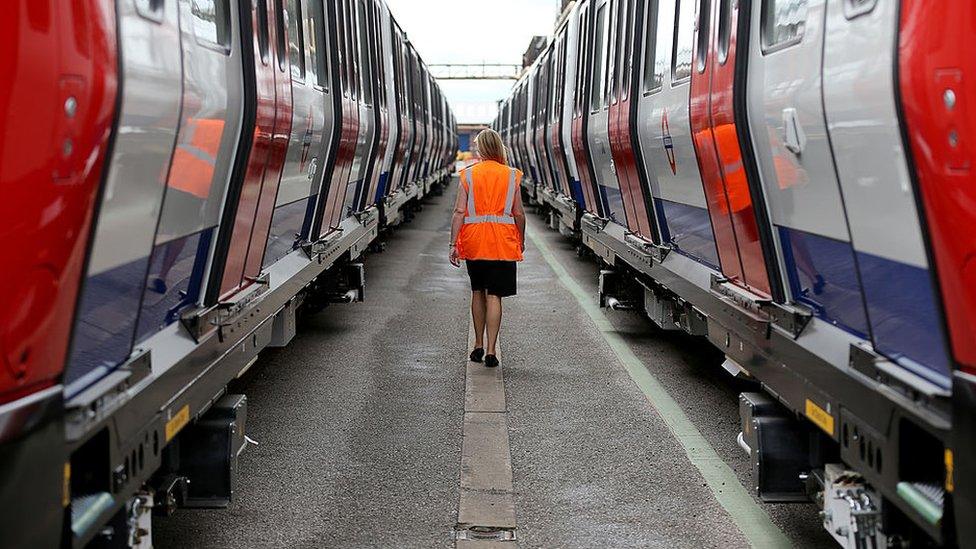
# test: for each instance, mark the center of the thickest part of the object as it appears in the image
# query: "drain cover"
(484, 533)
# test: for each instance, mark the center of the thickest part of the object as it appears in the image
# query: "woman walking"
(488, 233)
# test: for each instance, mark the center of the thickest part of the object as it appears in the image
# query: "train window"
(724, 29)
(617, 48)
(654, 59)
(613, 42)
(352, 60)
(296, 42)
(626, 60)
(783, 22)
(316, 43)
(684, 38)
(365, 69)
(377, 45)
(262, 7)
(280, 34)
(704, 9)
(599, 63)
(341, 65)
(211, 23)
(580, 64)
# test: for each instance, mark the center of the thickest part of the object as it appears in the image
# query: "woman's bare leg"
(494, 318)
(478, 312)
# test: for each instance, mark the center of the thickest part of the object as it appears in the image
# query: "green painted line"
(751, 520)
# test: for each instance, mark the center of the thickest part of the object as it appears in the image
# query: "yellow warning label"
(66, 485)
(949, 482)
(820, 417)
(177, 422)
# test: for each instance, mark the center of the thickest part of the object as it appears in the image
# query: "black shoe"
(491, 361)
(477, 354)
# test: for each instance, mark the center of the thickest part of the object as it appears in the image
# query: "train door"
(664, 131)
(319, 41)
(132, 198)
(585, 81)
(605, 39)
(555, 137)
(362, 67)
(303, 169)
(789, 139)
(380, 112)
(58, 123)
(734, 200)
(401, 162)
(390, 107)
(199, 183)
(621, 113)
(568, 92)
(345, 82)
(532, 153)
(267, 82)
(860, 101)
(545, 121)
(417, 90)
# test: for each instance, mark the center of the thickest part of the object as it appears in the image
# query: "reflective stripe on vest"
(505, 219)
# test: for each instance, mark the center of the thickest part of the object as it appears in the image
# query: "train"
(792, 181)
(181, 179)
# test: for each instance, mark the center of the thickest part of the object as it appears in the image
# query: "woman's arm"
(460, 206)
(519, 214)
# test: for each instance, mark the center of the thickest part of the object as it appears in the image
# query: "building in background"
(536, 47)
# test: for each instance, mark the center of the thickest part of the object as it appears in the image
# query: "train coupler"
(851, 510)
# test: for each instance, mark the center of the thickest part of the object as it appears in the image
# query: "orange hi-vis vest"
(489, 230)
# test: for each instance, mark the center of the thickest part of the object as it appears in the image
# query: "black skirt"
(496, 277)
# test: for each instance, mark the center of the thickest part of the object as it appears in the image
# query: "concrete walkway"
(617, 435)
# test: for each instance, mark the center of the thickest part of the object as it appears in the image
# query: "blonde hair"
(490, 146)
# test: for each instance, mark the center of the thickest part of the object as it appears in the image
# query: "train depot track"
(619, 435)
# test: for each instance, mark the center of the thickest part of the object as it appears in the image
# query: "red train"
(180, 177)
(792, 180)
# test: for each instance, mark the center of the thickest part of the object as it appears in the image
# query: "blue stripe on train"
(175, 280)
(106, 323)
(822, 273)
(122, 305)
(904, 316)
(576, 188)
(892, 303)
(286, 230)
(614, 202)
(689, 230)
(381, 187)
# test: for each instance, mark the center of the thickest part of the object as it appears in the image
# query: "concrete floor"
(358, 421)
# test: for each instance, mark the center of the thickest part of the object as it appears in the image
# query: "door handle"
(794, 138)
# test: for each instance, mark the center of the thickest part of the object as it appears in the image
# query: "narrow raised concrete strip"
(487, 503)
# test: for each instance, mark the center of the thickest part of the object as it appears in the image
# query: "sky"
(474, 31)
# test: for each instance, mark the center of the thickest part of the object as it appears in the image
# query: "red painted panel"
(708, 162)
(625, 161)
(730, 160)
(723, 174)
(261, 148)
(279, 148)
(937, 78)
(51, 163)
